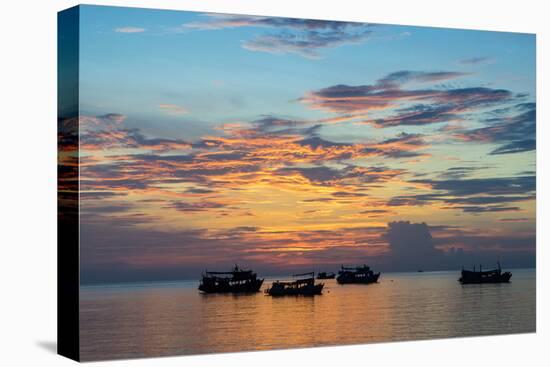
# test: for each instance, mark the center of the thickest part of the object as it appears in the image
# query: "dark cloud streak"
(304, 37)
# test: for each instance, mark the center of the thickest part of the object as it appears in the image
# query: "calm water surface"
(155, 319)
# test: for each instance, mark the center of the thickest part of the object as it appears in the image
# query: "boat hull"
(469, 277)
(310, 290)
(351, 279)
(251, 286)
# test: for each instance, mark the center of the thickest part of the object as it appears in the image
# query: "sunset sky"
(288, 144)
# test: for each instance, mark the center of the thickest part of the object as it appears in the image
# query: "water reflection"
(165, 319)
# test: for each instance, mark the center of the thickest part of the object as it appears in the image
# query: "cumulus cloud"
(414, 246)
(410, 240)
(184, 253)
(113, 253)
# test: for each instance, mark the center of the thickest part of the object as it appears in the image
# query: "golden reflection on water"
(173, 318)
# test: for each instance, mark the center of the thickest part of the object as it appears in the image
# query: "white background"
(28, 182)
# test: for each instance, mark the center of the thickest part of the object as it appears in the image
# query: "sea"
(154, 319)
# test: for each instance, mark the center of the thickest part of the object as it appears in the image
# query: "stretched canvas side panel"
(67, 184)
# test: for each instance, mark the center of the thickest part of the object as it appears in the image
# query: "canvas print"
(245, 182)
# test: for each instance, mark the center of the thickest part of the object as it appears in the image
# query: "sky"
(289, 144)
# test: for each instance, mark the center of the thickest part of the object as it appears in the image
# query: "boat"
(359, 274)
(304, 286)
(325, 275)
(235, 281)
(487, 276)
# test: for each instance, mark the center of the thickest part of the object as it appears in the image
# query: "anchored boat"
(360, 274)
(304, 286)
(488, 276)
(235, 281)
(324, 275)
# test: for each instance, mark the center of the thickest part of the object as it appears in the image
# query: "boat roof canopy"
(236, 270)
(304, 274)
(355, 267)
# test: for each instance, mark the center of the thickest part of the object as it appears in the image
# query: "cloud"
(173, 109)
(472, 195)
(476, 61)
(196, 206)
(101, 122)
(376, 212)
(514, 128)
(273, 125)
(406, 238)
(107, 132)
(519, 146)
(459, 172)
(199, 191)
(348, 194)
(221, 21)
(280, 152)
(489, 208)
(97, 195)
(515, 220)
(420, 115)
(414, 246)
(316, 174)
(305, 145)
(477, 200)
(129, 30)
(120, 207)
(362, 98)
(305, 44)
(304, 37)
(348, 176)
(128, 139)
(398, 78)
(408, 106)
(184, 253)
(520, 185)
(516, 249)
(402, 146)
(450, 105)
